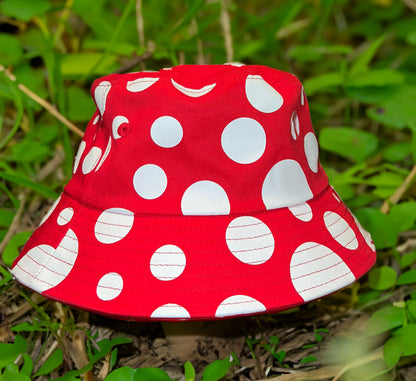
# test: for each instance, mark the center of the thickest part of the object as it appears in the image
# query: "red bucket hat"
(197, 194)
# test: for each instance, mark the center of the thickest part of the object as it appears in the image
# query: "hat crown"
(198, 140)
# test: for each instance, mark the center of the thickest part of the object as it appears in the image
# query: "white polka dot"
(205, 198)
(237, 64)
(250, 240)
(53, 207)
(106, 152)
(113, 225)
(340, 230)
(166, 132)
(302, 211)
(96, 119)
(294, 125)
(44, 267)
(311, 151)
(100, 95)
(285, 185)
(167, 262)
(261, 95)
(109, 286)
(91, 160)
(65, 216)
(366, 235)
(335, 194)
(194, 93)
(239, 305)
(150, 181)
(302, 96)
(81, 149)
(170, 311)
(244, 140)
(117, 122)
(140, 84)
(317, 271)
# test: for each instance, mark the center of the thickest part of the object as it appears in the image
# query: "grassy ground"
(357, 61)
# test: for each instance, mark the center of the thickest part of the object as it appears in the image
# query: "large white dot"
(194, 93)
(91, 160)
(109, 286)
(205, 198)
(311, 151)
(294, 125)
(316, 271)
(80, 151)
(285, 185)
(44, 267)
(100, 95)
(65, 216)
(113, 225)
(239, 305)
(140, 84)
(340, 230)
(167, 262)
(170, 311)
(261, 95)
(250, 240)
(150, 181)
(302, 211)
(244, 140)
(166, 131)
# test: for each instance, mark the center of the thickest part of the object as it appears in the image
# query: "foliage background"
(357, 61)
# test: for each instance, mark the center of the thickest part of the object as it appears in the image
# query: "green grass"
(357, 61)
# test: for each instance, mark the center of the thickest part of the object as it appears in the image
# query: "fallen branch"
(46, 105)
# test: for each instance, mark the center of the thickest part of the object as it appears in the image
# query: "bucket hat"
(196, 193)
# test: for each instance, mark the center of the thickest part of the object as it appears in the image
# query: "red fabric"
(190, 158)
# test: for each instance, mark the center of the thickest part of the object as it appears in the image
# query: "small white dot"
(311, 151)
(285, 185)
(150, 181)
(239, 305)
(316, 271)
(170, 311)
(140, 84)
(340, 230)
(91, 160)
(366, 235)
(168, 262)
(106, 153)
(109, 286)
(80, 151)
(261, 95)
(96, 119)
(294, 125)
(113, 225)
(302, 211)
(205, 198)
(250, 240)
(65, 216)
(100, 95)
(166, 132)
(244, 140)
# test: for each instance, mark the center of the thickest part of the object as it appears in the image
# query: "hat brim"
(142, 267)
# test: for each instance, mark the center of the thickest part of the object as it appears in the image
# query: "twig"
(226, 29)
(140, 23)
(46, 105)
(397, 195)
(411, 4)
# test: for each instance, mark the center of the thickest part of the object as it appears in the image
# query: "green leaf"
(403, 215)
(77, 64)
(216, 370)
(54, 361)
(10, 375)
(24, 10)
(408, 277)
(382, 278)
(189, 371)
(151, 374)
(106, 346)
(396, 152)
(113, 357)
(407, 259)
(392, 351)
(384, 320)
(27, 367)
(10, 50)
(6, 217)
(124, 373)
(411, 308)
(323, 82)
(407, 336)
(11, 251)
(378, 78)
(308, 359)
(10, 352)
(194, 7)
(80, 104)
(27, 151)
(347, 142)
